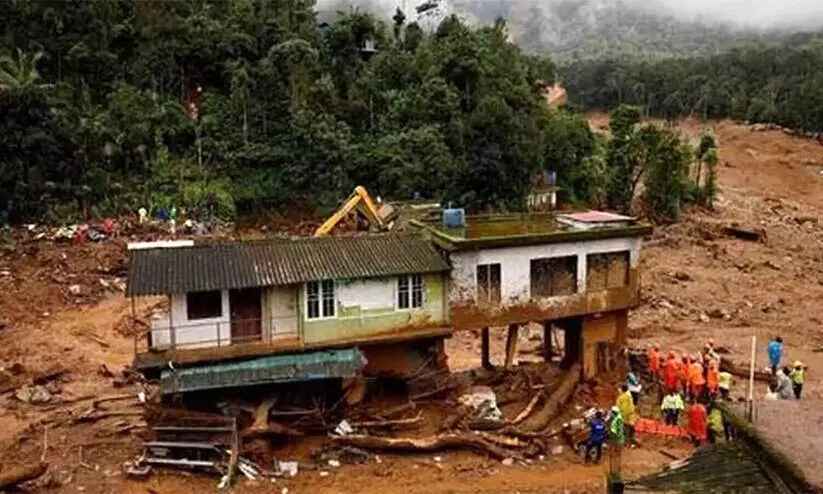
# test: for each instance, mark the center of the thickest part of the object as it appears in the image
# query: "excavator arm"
(360, 197)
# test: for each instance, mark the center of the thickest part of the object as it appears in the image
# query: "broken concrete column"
(511, 343)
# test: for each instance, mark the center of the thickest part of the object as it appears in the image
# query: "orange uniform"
(670, 372)
(654, 362)
(683, 372)
(696, 379)
(712, 378)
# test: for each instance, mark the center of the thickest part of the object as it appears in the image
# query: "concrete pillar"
(511, 343)
(485, 356)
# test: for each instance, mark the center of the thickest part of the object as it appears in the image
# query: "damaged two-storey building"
(286, 310)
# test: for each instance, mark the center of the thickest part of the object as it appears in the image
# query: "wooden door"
(246, 315)
(284, 312)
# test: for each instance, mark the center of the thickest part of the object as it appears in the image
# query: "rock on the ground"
(33, 394)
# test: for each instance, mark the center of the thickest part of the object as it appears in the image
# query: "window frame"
(624, 254)
(411, 288)
(218, 306)
(486, 290)
(548, 261)
(321, 299)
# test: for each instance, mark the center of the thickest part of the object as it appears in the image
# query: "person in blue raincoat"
(775, 352)
(597, 436)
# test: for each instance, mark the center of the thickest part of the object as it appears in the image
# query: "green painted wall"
(352, 321)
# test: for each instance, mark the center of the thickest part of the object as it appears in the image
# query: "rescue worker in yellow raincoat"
(625, 404)
(798, 376)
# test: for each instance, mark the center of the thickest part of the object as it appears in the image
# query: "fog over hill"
(580, 29)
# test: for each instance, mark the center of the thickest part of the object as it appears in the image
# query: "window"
(605, 271)
(553, 276)
(320, 299)
(488, 284)
(204, 305)
(410, 291)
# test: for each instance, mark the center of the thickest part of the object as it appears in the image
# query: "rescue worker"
(683, 374)
(712, 378)
(654, 362)
(775, 352)
(670, 371)
(672, 406)
(696, 379)
(798, 376)
(625, 404)
(715, 423)
(597, 436)
(724, 383)
(785, 390)
(697, 423)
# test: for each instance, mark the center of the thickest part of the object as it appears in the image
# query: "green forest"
(778, 83)
(237, 107)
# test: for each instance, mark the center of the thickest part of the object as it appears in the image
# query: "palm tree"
(20, 71)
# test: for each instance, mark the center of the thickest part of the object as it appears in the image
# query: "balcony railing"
(213, 334)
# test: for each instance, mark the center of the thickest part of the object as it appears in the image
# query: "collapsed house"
(290, 310)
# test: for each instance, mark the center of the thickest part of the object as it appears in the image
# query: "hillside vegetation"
(780, 84)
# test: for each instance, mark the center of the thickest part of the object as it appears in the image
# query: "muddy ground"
(697, 283)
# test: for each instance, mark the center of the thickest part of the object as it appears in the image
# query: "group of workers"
(692, 385)
(787, 382)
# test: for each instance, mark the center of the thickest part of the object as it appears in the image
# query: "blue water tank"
(454, 218)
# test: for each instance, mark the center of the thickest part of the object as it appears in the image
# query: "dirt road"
(697, 284)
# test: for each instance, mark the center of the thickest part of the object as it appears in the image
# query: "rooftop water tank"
(454, 218)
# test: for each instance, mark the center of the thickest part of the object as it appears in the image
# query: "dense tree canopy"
(110, 105)
(780, 84)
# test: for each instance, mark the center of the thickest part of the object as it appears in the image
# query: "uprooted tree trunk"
(428, 444)
(24, 473)
(553, 405)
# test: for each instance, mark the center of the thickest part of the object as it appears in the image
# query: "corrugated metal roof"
(278, 262)
(342, 363)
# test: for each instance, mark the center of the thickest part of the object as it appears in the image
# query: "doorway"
(245, 306)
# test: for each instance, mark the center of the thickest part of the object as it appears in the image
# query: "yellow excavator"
(378, 215)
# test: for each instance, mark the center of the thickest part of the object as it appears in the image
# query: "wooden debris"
(745, 234)
(428, 444)
(554, 403)
(93, 337)
(104, 371)
(261, 414)
(93, 415)
(50, 374)
(104, 399)
(390, 424)
(271, 429)
(12, 477)
(528, 410)
(398, 410)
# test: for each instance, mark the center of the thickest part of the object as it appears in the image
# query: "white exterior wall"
(377, 293)
(198, 333)
(515, 265)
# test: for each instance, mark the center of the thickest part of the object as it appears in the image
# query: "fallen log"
(390, 424)
(744, 233)
(398, 410)
(261, 414)
(729, 366)
(528, 410)
(553, 405)
(271, 429)
(50, 374)
(506, 442)
(105, 399)
(426, 444)
(17, 475)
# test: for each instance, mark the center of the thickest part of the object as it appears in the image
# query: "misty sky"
(762, 13)
(806, 14)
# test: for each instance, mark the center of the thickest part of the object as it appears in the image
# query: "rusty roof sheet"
(592, 216)
(204, 267)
